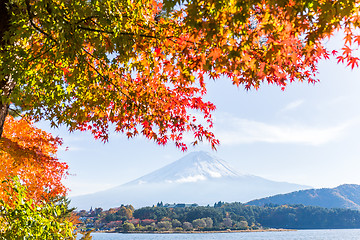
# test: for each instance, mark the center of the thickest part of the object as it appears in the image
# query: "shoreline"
(193, 231)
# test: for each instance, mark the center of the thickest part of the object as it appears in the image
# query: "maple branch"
(94, 30)
(31, 16)
(171, 38)
(85, 19)
(112, 32)
(19, 114)
(100, 30)
(41, 54)
(107, 79)
(16, 112)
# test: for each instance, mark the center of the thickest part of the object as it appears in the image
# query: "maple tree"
(29, 154)
(32, 197)
(141, 65)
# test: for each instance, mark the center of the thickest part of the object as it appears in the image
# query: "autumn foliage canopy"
(141, 66)
(29, 154)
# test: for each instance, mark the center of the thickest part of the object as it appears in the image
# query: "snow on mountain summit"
(194, 167)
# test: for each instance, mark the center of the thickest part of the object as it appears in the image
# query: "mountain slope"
(194, 167)
(343, 196)
(196, 178)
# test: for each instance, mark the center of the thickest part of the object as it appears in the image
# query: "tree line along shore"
(221, 217)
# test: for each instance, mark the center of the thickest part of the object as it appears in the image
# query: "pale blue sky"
(307, 134)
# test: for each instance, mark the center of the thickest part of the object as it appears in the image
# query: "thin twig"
(42, 54)
(31, 16)
(20, 115)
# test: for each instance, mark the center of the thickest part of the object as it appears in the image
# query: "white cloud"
(293, 105)
(190, 179)
(239, 131)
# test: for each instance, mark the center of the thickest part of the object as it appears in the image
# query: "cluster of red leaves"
(30, 154)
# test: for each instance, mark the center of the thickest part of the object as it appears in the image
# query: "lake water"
(342, 234)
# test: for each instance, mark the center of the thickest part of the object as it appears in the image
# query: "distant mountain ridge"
(198, 177)
(343, 196)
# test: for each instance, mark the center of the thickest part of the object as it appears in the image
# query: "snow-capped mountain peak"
(198, 177)
(194, 167)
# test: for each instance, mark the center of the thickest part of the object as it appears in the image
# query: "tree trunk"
(7, 84)
(3, 113)
(4, 20)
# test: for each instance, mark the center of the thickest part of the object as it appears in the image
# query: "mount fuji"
(198, 178)
(194, 167)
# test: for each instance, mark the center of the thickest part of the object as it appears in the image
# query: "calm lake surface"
(342, 234)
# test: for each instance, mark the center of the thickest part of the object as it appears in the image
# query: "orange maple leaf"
(215, 53)
(348, 39)
(346, 50)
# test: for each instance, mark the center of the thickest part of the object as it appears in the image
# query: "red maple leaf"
(353, 61)
(340, 59)
(357, 39)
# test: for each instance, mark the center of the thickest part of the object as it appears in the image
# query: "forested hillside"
(343, 196)
(221, 216)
